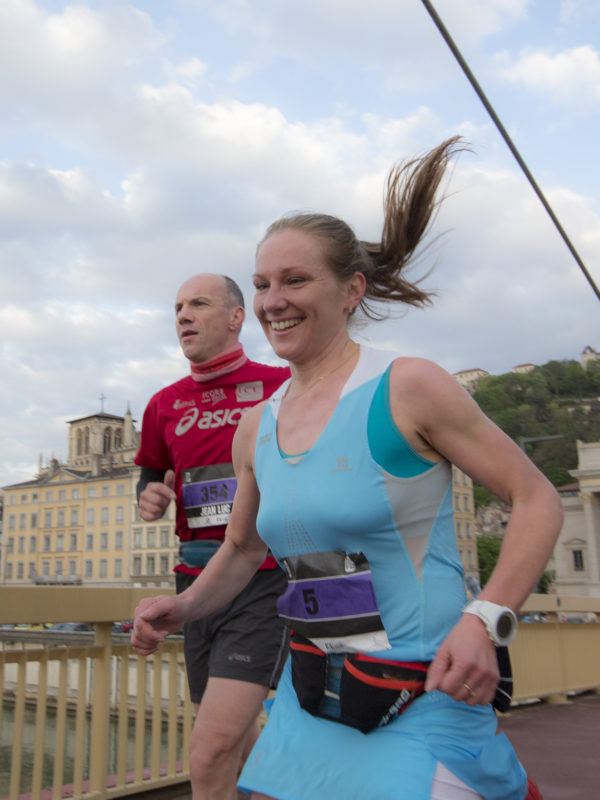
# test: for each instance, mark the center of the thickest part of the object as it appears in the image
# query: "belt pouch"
(198, 552)
(309, 672)
(373, 692)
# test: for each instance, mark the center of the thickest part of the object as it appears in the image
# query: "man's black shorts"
(245, 640)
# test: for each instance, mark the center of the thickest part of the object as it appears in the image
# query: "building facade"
(576, 559)
(78, 522)
(464, 522)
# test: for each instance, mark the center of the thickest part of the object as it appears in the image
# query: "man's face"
(205, 321)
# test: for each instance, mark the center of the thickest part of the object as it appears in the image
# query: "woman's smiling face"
(299, 302)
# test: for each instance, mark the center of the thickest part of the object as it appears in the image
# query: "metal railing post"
(101, 711)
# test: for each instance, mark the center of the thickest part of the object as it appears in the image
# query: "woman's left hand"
(465, 666)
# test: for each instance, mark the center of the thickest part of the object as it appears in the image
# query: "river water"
(6, 738)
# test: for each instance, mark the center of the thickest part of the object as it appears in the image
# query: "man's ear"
(237, 315)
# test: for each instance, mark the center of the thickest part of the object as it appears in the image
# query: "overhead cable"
(465, 67)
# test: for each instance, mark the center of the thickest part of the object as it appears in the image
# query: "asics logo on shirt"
(209, 419)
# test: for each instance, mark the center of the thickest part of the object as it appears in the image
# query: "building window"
(46, 568)
(164, 537)
(104, 515)
(118, 540)
(150, 565)
(47, 519)
(20, 570)
(62, 494)
(120, 489)
(91, 491)
(11, 522)
(119, 514)
(73, 542)
(33, 520)
(468, 527)
(456, 502)
(89, 541)
(9, 571)
(103, 568)
(72, 568)
(458, 530)
(32, 572)
(49, 496)
(59, 567)
(60, 522)
(21, 544)
(22, 522)
(75, 493)
(46, 544)
(118, 568)
(104, 540)
(13, 499)
(578, 560)
(137, 565)
(137, 537)
(32, 544)
(60, 542)
(74, 516)
(466, 502)
(105, 490)
(88, 568)
(10, 544)
(89, 516)
(164, 565)
(151, 537)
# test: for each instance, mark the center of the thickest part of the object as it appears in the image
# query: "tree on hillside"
(488, 550)
(559, 398)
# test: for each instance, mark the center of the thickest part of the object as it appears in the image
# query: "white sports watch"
(500, 621)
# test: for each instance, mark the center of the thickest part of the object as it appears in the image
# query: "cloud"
(571, 77)
(142, 147)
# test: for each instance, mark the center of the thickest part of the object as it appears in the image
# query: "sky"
(143, 142)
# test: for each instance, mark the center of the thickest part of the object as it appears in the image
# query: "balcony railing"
(130, 717)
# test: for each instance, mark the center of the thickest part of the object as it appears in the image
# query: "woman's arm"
(441, 419)
(227, 572)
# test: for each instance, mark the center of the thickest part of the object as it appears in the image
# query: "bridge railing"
(121, 723)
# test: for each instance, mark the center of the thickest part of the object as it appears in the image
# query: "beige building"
(589, 355)
(576, 561)
(78, 523)
(523, 368)
(469, 378)
(464, 521)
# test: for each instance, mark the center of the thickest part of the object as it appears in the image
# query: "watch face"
(504, 626)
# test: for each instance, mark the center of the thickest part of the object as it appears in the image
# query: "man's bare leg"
(224, 726)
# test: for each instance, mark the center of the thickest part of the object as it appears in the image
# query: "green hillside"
(559, 398)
